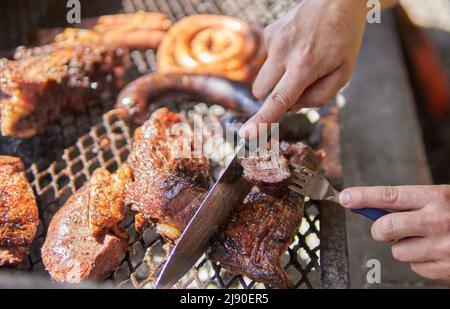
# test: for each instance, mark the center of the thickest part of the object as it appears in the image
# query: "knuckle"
(390, 195)
(306, 59)
(278, 46)
(280, 99)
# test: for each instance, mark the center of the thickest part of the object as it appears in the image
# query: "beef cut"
(41, 83)
(268, 170)
(19, 216)
(84, 240)
(261, 229)
(170, 179)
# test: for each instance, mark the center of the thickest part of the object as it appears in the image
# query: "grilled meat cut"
(261, 229)
(168, 186)
(268, 170)
(18, 212)
(84, 241)
(41, 83)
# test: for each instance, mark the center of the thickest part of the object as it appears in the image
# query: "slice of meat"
(168, 185)
(81, 242)
(41, 83)
(261, 229)
(269, 171)
(19, 216)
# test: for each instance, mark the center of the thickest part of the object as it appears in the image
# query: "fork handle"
(371, 213)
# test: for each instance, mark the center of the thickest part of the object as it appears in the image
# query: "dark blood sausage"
(18, 212)
(136, 96)
(252, 242)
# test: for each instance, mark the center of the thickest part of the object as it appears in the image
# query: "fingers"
(432, 270)
(269, 75)
(414, 250)
(284, 95)
(400, 225)
(400, 198)
(322, 90)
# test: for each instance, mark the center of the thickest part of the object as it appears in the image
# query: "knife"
(228, 192)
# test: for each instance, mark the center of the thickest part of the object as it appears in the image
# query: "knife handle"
(371, 213)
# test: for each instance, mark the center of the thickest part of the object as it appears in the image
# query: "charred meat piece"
(256, 236)
(262, 228)
(268, 170)
(168, 185)
(18, 212)
(41, 83)
(84, 241)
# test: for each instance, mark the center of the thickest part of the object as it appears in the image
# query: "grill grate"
(108, 145)
(83, 142)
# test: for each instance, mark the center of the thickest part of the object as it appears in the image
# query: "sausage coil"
(210, 44)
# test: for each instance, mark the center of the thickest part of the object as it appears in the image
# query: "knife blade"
(228, 192)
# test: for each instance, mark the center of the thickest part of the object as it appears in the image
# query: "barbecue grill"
(63, 158)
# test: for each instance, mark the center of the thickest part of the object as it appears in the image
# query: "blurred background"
(396, 123)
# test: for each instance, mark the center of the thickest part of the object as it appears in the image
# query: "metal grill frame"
(82, 147)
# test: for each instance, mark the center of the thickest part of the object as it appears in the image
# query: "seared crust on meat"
(263, 227)
(84, 241)
(257, 234)
(168, 187)
(42, 83)
(106, 200)
(19, 216)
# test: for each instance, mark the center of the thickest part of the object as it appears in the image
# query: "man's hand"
(311, 54)
(419, 224)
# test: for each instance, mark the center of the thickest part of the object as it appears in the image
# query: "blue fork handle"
(371, 213)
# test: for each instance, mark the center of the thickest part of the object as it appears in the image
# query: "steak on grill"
(18, 212)
(261, 229)
(167, 187)
(84, 241)
(41, 83)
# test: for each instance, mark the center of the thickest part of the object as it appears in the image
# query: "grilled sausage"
(210, 44)
(136, 96)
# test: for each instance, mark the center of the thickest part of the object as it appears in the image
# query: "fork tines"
(299, 182)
